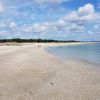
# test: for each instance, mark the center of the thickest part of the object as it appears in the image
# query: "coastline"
(29, 72)
(51, 51)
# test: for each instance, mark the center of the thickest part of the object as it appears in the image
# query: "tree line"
(18, 40)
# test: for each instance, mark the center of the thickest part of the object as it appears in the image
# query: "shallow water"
(87, 52)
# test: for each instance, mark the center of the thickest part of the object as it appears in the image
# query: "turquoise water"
(87, 52)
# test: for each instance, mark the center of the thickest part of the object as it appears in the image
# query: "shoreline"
(73, 59)
(28, 72)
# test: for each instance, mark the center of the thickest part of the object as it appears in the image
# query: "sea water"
(86, 52)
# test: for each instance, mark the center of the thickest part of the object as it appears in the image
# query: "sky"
(50, 19)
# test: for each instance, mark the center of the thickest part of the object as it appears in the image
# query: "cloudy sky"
(50, 19)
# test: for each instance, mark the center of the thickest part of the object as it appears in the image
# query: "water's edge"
(55, 51)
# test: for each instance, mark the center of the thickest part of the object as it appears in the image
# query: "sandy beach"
(28, 72)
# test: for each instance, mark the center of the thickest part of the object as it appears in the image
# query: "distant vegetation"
(18, 40)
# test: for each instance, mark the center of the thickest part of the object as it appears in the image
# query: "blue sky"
(50, 19)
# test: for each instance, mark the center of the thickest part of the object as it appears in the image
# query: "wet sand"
(28, 72)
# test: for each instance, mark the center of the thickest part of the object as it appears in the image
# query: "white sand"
(27, 72)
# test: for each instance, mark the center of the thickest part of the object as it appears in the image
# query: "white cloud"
(38, 28)
(2, 8)
(35, 28)
(78, 21)
(12, 24)
(50, 1)
(83, 14)
(87, 9)
(97, 26)
(3, 32)
(72, 24)
(7, 24)
(74, 27)
(90, 33)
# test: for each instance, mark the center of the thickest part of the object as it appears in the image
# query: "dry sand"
(27, 72)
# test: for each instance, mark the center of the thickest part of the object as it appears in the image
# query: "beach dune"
(28, 72)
